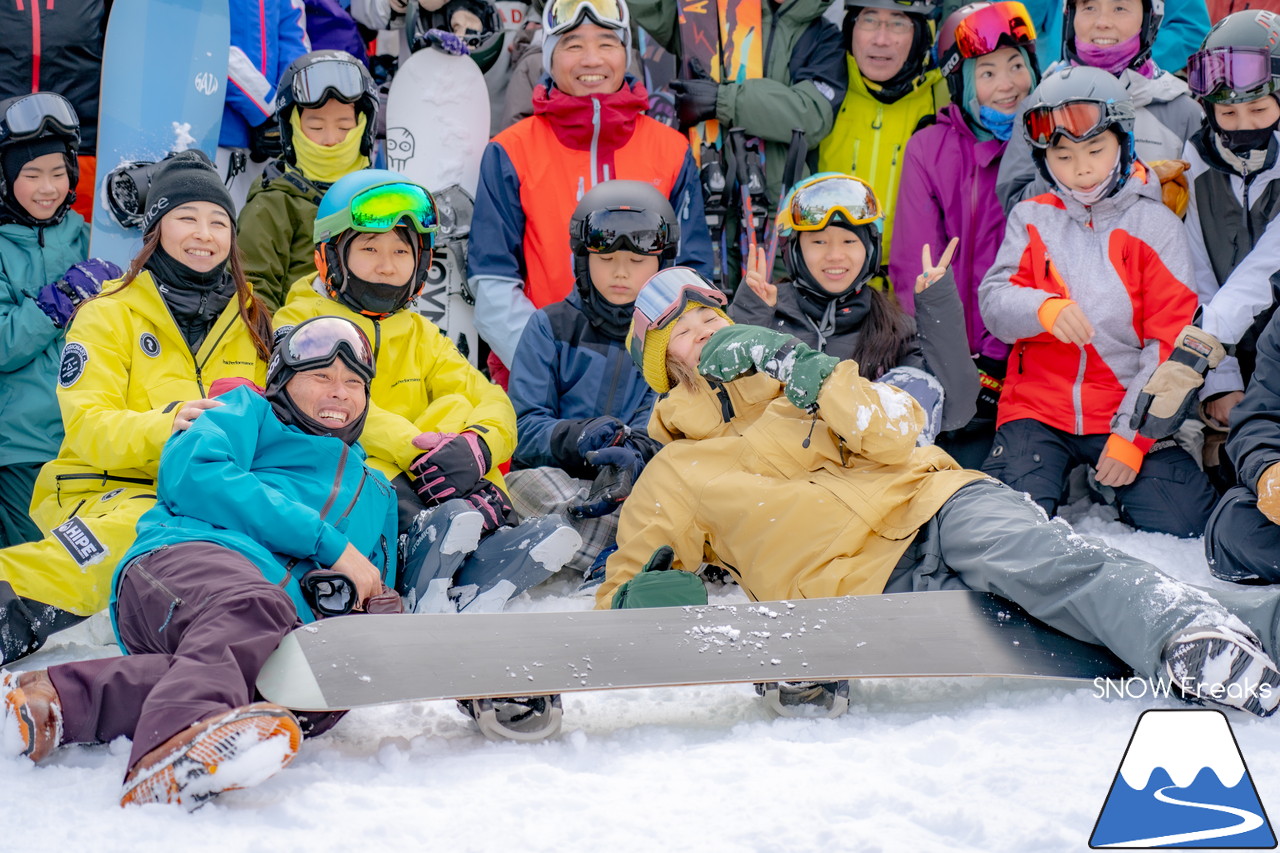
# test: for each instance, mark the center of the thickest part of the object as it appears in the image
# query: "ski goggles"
(564, 15)
(664, 298)
(317, 342)
(330, 78)
(1076, 120)
(984, 31)
(381, 208)
(811, 205)
(614, 229)
(31, 115)
(1226, 74)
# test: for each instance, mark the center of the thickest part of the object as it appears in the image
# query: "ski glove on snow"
(572, 439)
(658, 585)
(81, 281)
(453, 465)
(1171, 393)
(739, 350)
(618, 468)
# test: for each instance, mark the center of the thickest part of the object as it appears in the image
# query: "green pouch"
(658, 585)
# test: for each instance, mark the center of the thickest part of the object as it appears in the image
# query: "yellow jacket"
(869, 138)
(125, 369)
(788, 521)
(423, 384)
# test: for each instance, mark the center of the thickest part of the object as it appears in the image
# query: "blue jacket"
(566, 369)
(1180, 34)
(288, 501)
(30, 345)
(266, 35)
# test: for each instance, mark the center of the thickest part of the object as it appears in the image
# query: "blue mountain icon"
(1183, 783)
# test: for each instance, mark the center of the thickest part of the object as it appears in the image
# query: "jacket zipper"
(1076, 392)
(595, 139)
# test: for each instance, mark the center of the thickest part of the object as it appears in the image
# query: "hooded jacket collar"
(582, 122)
(985, 152)
(1097, 215)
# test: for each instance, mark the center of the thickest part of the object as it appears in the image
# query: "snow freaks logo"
(1183, 783)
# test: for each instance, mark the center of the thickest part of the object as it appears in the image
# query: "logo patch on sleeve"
(85, 548)
(74, 358)
(149, 344)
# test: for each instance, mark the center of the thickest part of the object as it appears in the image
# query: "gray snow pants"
(990, 538)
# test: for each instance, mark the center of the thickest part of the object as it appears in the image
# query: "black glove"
(991, 374)
(265, 142)
(573, 439)
(618, 468)
(695, 100)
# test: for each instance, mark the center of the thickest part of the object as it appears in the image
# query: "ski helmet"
(624, 215)
(316, 77)
(1079, 103)
(372, 201)
(979, 29)
(664, 299)
(927, 8)
(39, 120)
(1152, 15)
(1239, 60)
(485, 45)
(822, 200)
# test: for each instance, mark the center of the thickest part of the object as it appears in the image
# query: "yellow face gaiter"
(326, 164)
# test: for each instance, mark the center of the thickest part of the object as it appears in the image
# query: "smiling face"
(690, 333)
(881, 43)
(197, 235)
(1251, 115)
(381, 258)
(618, 276)
(589, 60)
(332, 395)
(1001, 79)
(1082, 166)
(42, 185)
(1104, 23)
(834, 257)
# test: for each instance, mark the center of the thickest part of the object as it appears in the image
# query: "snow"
(920, 765)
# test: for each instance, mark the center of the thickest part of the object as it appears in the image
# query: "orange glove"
(1173, 184)
(1269, 493)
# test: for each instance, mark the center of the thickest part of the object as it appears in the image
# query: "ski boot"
(522, 718)
(435, 546)
(30, 715)
(595, 575)
(1223, 666)
(814, 699)
(512, 559)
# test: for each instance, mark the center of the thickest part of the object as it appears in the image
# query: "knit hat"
(19, 153)
(181, 178)
(654, 318)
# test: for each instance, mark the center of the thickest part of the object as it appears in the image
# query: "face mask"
(1000, 124)
(1112, 58)
(328, 163)
(1100, 191)
(1243, 142)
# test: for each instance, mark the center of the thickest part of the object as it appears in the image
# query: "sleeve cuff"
(1125, 451)
(1049, 310)
(331, 545)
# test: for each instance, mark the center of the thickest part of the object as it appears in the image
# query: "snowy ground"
(982, 765)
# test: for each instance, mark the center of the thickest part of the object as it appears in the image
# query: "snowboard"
(164, 79)
(437, 129)
(359, 660)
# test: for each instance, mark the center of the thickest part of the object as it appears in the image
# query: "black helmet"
(1152, 15)
(319, 76)
(485, 45)
(1108, 105)
(37, 120)
(1239, 60)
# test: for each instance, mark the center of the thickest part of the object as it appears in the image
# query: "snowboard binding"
(126, 191)
(812, 699)
(519, 718)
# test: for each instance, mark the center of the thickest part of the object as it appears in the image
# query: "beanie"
(19, 153)
(181, 178)
(654, 366)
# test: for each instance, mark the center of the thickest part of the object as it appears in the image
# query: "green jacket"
(30, 344)
(804, 77)
(275, 231)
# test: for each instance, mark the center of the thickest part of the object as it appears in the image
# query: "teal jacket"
(30, 345)
(288, 501)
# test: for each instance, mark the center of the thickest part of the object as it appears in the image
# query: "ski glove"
(453, 466)
(265, 142)
(658, 585)
(695, 100)
(81, 281)
(618, 468)
(492, 503)
(385, 601)
(739, 350)
(572, 439)
(1170, 394)
(445, 41)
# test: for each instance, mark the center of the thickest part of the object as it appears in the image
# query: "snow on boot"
(512, 559)
(30, 715)
(815, 699)
(523, 718)
(235, 749)
(1223, 666)
(595, 575)
(435, 546)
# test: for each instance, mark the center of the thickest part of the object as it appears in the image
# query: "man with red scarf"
(587, 127)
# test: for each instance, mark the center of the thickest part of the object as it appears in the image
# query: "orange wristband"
(1049, 310)
(1125, 451)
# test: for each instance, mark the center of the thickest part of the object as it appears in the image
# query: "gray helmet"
(629, 215)
(1239, 60)
(1042, 122)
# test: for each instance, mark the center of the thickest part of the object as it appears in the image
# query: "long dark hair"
(884, 338)
(253, 311)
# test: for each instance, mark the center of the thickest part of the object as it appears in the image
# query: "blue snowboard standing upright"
(164, 79)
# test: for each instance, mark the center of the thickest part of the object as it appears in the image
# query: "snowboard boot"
(1222, 666)
(522, 718)
(435, 546)
(231, 750)
(30, 715)
(512, 559)
(815, 699)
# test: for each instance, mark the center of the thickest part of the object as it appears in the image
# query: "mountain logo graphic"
(1183, 783)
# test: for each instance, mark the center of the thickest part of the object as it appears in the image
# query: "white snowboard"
(437, 128)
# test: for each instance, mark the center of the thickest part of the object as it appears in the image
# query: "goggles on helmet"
(664, 298)
(317, 342)
(1229, 73)
(381, 208)
(811, 205)
(986, 30)
(1076, 120)
(329, 78)
(30, 116)
(565, 15)
(620, 228)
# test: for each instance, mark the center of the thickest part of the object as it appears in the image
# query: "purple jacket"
(949, 190)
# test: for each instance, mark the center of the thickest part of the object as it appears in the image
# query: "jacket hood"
(803, 11)
(1164, 87)
(986, 151)
(281, 176)
(859, 85)
(573, 118)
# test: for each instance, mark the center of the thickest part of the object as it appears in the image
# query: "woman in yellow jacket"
(137, 366)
